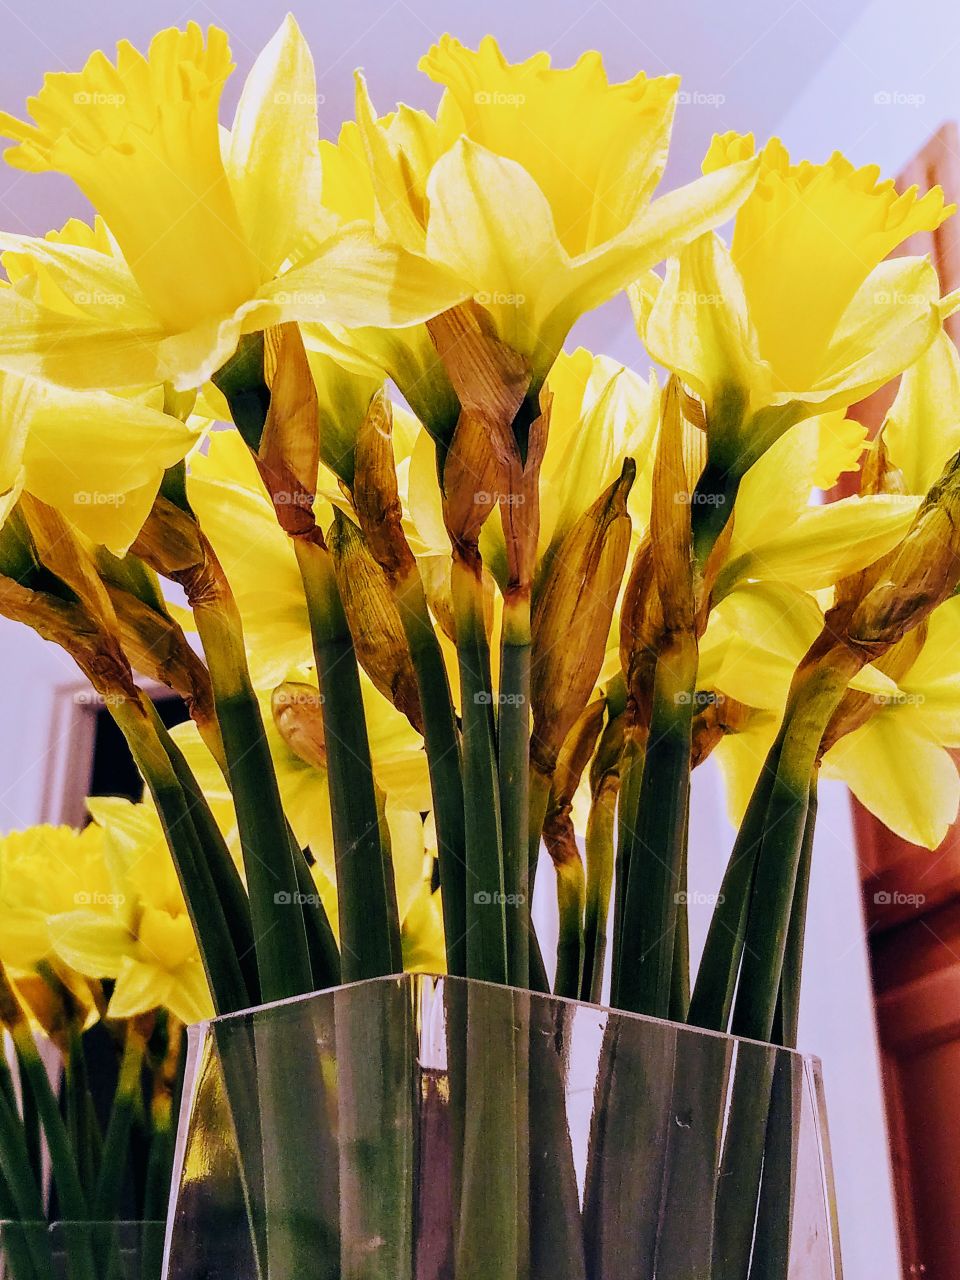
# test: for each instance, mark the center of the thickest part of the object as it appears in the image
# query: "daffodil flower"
(145, 942)
(46, 870)
(801, 314)
(534, 185)
(203, 228)
(97, 457)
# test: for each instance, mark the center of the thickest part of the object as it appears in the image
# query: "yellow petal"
(93, 944)
(888, 325)
(355, 279)
(922, 430)
(238, 517)
(272, 160)
(596, 150)
(141, 140)
(492, 226)
(740, 757)
(99, 459)
(699, 325)
(139, 989)
(810, 234)
(825, 543)
(900, 775)
(659, 230)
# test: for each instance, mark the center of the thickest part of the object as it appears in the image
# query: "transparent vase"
(420, 1128)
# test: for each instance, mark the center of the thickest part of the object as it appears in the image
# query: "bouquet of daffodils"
(459, 590)
(94, 935)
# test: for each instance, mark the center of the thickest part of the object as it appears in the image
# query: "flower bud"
(297, 711)
(375, 624)
(572, 615)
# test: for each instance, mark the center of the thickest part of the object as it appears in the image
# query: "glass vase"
(420, 1128)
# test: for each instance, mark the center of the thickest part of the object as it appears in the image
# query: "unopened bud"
(297, 711)
(375, 623)
(572, 615)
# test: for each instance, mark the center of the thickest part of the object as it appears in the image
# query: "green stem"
(20, 1197)
(599, 850)
(224, 875)
(631, 773)
(283, 962)
(570, 901)
(656, 834)
(66, 1176)
(222, 967)
(442, 743)
(513, 764)
(539, 801)
(816, 695)
(369, 929)
(680, 970)
(788, 1005)
(712, 999)
(486, 916)
(321, 942)
(126, 1101)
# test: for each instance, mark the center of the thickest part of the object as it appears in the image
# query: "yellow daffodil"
(97, 457)
(533, 185)
(781, 552)
(146, 941)
(899, 764)
(801, 314)
(44, 871)
(202, 228)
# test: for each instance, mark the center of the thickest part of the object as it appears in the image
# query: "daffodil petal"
(93, 944)
(662, 229)
(891, 321)
(909, 782)
(272, 161)
(100, 458)
(825, 543)
(492, 226)
(699, 325)
(140, 988)
(922, 429)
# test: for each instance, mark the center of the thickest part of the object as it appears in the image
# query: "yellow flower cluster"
(438, 626)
